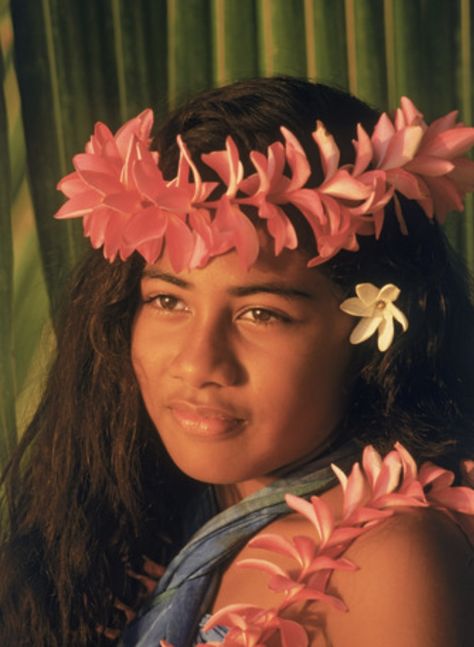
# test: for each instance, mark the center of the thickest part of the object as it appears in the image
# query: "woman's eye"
(166, 302)
(263, 316)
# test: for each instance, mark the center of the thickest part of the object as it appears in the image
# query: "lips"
(205, 421)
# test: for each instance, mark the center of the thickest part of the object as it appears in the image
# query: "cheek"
(144, 358)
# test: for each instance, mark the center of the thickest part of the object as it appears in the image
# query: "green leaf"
(235, 40)
(140, 42)
(48, 107)
(282, 37)
(189, 48)
(366, 50)
(326, 42)
(7, 382)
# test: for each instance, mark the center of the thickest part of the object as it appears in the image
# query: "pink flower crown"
(128, 206)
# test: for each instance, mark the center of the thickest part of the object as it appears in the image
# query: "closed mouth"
(205, 421)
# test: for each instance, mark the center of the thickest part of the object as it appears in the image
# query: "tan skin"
(244, 372)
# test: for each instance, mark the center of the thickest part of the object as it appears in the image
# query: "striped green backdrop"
(68, 63)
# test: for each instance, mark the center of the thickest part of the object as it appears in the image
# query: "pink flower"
(230, 228)
(251, 626)
(102, 189)
(128, 206)
(425, 163)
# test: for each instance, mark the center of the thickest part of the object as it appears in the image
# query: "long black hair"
(91, 489)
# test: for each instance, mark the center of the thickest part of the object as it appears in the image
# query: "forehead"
(287, 271)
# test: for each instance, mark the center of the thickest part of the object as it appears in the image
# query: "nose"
(206, 356)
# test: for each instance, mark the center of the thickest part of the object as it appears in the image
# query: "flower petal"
(386, 332)
(368, 292)
(365, 329)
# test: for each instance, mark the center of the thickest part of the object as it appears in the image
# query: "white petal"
(386, 331)
(399, 316)
(389, 292)
(367, 292)
(365, 329)
(354, 306)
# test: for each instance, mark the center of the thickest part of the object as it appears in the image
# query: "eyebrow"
(271, 287)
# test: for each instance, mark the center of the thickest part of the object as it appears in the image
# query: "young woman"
(283, 297)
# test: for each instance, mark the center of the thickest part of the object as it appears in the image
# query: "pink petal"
(434, 475)
(261, 165)
(429, 165)
(125, 201)
(450, 143)
(95, 225)
(199, 190)
(343, 185)
(228, 614)
(364, 152)
(446, 196)
(411, 114)
(148, 179)
(328, 150)
(313, 594)
(279, 227)
(292, 634)
(151, 250)
(275, 543)
(446, 122)
(323, 562)
(101, 136)
(113, 237)
(139, 127)
(463, 175)
(383, 132)
(344, 535)
(297, 160)
(96, 164)
(302, 506)
(79, 205)
(227, 165)
(276, 159)
(179, 243)
(72, 185)
(410, 469)
(230, 218)
(372, 464)
(306, 547)
(459, 498)
(250, 185)
(324, 518)
(389, 476)
(407, 184)
(355, 490)
(263, 565)
(401, 148)
(101, 182)
(146, 224)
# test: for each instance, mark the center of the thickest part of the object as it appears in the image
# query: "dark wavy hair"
(90, 489)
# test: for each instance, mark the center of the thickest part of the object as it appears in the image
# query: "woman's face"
(242, 372)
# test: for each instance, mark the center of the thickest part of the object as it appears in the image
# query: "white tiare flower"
(375, 306)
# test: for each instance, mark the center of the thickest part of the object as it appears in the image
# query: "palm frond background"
(66, 64)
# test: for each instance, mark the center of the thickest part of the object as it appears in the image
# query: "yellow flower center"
(380, 305)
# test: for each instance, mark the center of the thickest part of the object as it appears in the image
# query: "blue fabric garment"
(216, 634)
(186, 590)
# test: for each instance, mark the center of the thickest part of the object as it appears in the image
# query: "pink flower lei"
(127, 205)
(374, 490)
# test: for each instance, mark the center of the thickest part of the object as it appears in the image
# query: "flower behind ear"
(375, 306)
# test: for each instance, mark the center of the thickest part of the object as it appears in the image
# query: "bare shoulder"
(414, 586)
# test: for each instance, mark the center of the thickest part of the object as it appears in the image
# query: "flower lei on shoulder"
(374, 490)
(127, 205)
